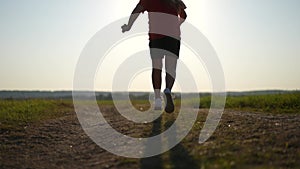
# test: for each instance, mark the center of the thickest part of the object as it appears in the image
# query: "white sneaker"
(157, 104)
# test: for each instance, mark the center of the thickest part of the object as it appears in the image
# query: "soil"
(242, 140)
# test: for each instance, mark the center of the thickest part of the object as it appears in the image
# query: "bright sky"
(258, 42)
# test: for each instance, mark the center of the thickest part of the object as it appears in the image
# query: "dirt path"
(242, 140)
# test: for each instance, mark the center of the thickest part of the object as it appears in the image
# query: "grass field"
(273, 103)
(30, 110)
(256, 131)
(20, 112)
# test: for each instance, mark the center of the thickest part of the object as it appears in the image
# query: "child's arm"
(134, 15)
(182, 16)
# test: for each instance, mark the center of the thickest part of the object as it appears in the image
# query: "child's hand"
(125, 28)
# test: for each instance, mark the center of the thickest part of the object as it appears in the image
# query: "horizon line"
(107, 91)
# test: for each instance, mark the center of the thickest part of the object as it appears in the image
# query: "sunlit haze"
(257, 42)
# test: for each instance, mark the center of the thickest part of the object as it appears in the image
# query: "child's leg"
(156, 76)
(171, 64)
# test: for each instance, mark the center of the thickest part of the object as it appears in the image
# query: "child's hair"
(177, 4)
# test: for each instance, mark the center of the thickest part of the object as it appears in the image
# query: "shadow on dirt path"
(178, 156)
(155, 161)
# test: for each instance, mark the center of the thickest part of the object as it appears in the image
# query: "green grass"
(270, 103)
(31, 110)
(18, 112)
(275, 103)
